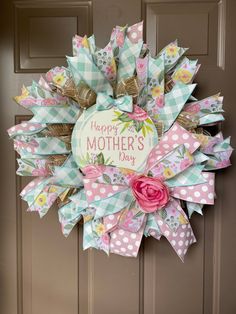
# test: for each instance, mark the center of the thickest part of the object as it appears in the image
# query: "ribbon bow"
(119, 212)
(106, 102)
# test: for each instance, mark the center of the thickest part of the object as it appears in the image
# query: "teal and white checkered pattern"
(66, 176)
(113, 204)
(174, 102)
(89, 72)
(92, 46)
(127, 59)
(38, 91)
(194, 207)
(80, 199)
(199, 157)
(70, 162)
(88, 236)
(55, 114)
(151, 224)
(222, 146)
(211, 118)
(155, 67)
(69, 215)
(191, 176)
(50, 146)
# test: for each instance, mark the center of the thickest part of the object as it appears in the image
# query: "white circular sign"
(113, 137)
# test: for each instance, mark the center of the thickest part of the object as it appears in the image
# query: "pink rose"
(138, 114)
(150, 193)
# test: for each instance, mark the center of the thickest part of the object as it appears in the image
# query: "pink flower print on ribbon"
(49, 102)
(160, 101)
(185, 164)
(28, 102)
(141, 65)
(41, 172)
(119, 38)
(138, 114)
(93, 171)
(193, 108)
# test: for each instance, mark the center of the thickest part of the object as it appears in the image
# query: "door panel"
(41, 271)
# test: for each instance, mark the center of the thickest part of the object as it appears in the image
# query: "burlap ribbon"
(86, 97)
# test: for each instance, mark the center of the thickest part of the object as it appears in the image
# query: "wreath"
(117, 140)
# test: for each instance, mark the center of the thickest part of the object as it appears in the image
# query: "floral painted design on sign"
(137, 120)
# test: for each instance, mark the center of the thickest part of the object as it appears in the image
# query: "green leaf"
(117, 113)
(206, 110)
(163, 213)
(100, 159)
(124, 118)
(68, 226)
(138, 125)
(106, 178)
(144, 131)
(116, 52)
(149, 129)
(125, 127)
(161, 77)
(41, 92)
(149, 121)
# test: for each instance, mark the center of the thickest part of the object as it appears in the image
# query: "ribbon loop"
(106, 102)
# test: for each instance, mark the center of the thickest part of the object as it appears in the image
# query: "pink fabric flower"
(150, 193)
(138, 114)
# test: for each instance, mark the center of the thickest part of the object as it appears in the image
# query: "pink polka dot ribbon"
(126, 225)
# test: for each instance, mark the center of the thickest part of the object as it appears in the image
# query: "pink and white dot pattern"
(181, 238)
(25, 128)
(135, 32)
(126, 243)
(111, 221)
(97, 191)
(200, 193)
(176, 136)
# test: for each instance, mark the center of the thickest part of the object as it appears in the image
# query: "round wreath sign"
(118, 140)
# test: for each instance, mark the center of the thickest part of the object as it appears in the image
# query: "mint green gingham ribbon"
(106, 102)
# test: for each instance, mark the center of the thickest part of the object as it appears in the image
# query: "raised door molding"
(44, 31)
(199, 25)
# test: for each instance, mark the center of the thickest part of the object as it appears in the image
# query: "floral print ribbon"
(131, 197)
(118, 205)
